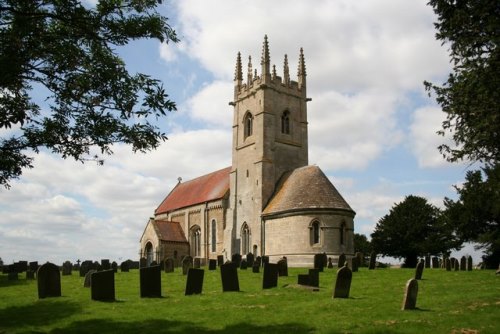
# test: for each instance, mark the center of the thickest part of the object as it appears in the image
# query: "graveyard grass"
(448, 302)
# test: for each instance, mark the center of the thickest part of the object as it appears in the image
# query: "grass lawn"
(448, 302)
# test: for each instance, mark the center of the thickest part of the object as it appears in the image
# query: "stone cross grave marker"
(49, 281)
(150, 282)
(229, 277)
(343, 283)
(102, 285)
(410, 298)
(270, 278)
(194, 282)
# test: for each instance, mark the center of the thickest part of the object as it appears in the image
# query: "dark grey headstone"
(243, 265)
(410, 298)
(88, 278)
(85, 267)
(257, 261)
(342, 260)
(194, 282)
(373, 260)
(236, 259)
(229, 277)
(283, 267)
(66, 268)
(354, 264)
(150, 282)
(427, 261)
(469, 263)
(318, 262)
(255, 268)
(264, 259)
(102, 285)
(187, 262)
(114, 266)
(314, 277)
(105, 264)
(220, 260)
(169, 265)
(212, 264)
(250, 259)
(49, 281)
(343, 283)
(361, 258)
(125, 266)
(303, 279)
(197, 263)
(33, 266)
(270, 278)
(419, 270)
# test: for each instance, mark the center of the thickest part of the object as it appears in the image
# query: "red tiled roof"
(205, 188)
(169, 231)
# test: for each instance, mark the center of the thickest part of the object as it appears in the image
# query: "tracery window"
(248, 123)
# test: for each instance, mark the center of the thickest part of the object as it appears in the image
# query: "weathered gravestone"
(102, 285)
(114, 266)
(343, 283)
(105, 264)
(463, 263)
(194, 282)
(318, 262)
(243, 265)
(250, 259)
(150, 282)
(66, 268)
(169, 265)
(435, 262)
(427, 261)
(283, 267)
(264, 259)
(187, 262)
(270, 278)
(229, 277)
(469, 263)
(373, 260)
(236, 259)
(220, 260)
(197, 263)
(125, 266)
(410, 298)
(85, 267)
(212, 264)
(49, 281)
(341, 260)
(88, 278)
(143, 262)
(419, 269)
(354, 264)
(330, 263)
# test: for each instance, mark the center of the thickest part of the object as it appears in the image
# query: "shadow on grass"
(104, 326)
(42, 312)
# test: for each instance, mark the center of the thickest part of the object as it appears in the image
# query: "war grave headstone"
(85, 267)
(220, 260)
(250, 259)
(236, 259)
(283, 267)
(88, 278)
(212, 264)
(243, 265)
(373, 260)
(264, 259)
(114, 266)
(342, 260)
(410, 298)
(229, 277)
(102, 285)
(150, 282)
(194, 282)
(419, 269)
(105, 264)
(187, 262)
(49, 281)
(330, 263)
(270, 278)
(169, 265)
(143, 262)
(343, 283)
(125, 267)
(66, 268)
(318, 262)
(435, 262)
(469, 263)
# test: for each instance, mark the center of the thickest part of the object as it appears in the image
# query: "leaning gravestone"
(343, 283)
(410, 298)
(220, 260)
(88, 278)
(150, 282)
(236, 259)
(373, 260)
(49, 281)
(102, 285)
(194, 282)
(283, 267)
(250, 259)
(469, 263)
(341, 260)
(419, 270)
(66, 268)
(187, 262)
(169, 265)
(212, 264)
(270, 278)
(318, 262)
(229, 277)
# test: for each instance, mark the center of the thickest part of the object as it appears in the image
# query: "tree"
(68, 51)
(470, 96)
(361, 244)
(413, 228)
(476, 214)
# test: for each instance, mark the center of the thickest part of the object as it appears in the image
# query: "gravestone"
(150, 282)
(196, 263)
(30, 274)
(114, 266)
(105, 264)
(255, 268)
(236, 259)
(187, 262)
(49, 281)
(330, 263)
(469, 263)
(343, 283)
(85, 267)
(96, 266)
(303, 279)
(361, 259)
(250, 259)
(447, 264)
(143, 262)
(102, 285)
(66, 268)
(270, 278)
(456, 264)
(419, 270)
(243, 265)
(21, 266)
(373, 260)
(212, 264)
(264, 259)
(220, 260)
(314, 277)
(410, 298)
(194, 282)
(435, 262)
(33, 266)
(283, 267)
(463, 263)
(318, 262)
(341, 261)
(257, 261)
(125, 267)
(229, 277)
(354, 264)
(169, 265)
(88, 278)
(427, 261)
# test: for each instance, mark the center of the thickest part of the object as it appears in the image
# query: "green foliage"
(471, 30)
(361, 244)
(413, 228)
(476, 214)
(66, 51)
(447, 302)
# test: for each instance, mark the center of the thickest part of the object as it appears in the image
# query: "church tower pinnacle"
(266, 62)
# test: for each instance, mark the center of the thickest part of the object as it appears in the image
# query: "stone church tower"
(269, 139)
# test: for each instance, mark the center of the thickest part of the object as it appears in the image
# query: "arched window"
(214, 235)
(245, 239)
(148, 252)
(248, 123)
(342, 233)
(315, 232)
(195, 241)
(285, 122)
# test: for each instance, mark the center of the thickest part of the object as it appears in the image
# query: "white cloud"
(210, 105)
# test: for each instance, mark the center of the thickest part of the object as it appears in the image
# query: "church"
(269, 201)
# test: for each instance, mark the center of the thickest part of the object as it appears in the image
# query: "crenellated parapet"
(268, 78)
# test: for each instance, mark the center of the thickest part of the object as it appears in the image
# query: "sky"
(372, 126)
